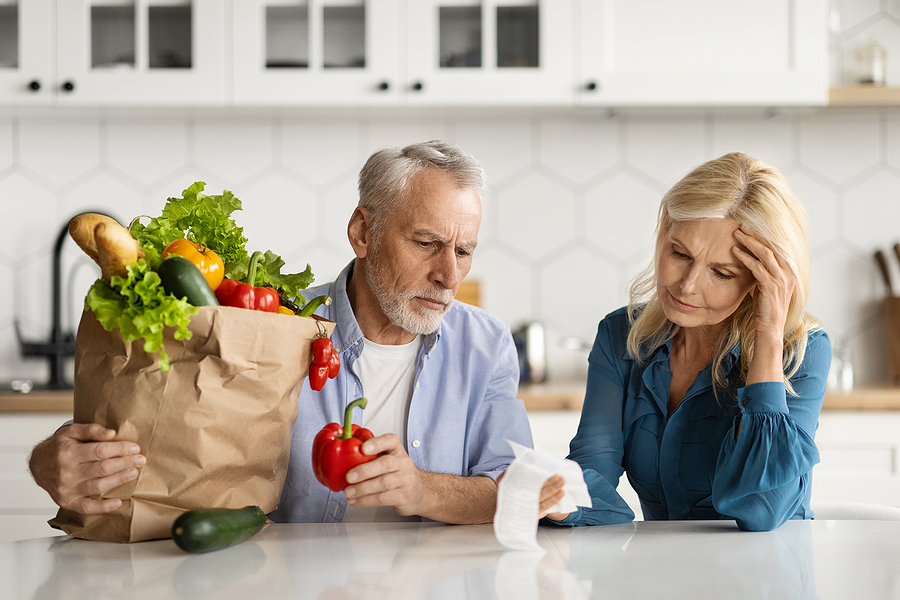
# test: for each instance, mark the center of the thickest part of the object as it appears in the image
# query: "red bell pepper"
(334, 365)
(243, 295)
(338, 449)
(326, 362)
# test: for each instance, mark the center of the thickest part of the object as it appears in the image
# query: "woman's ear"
(359, 231)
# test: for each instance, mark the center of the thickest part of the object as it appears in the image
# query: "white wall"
(567, 221)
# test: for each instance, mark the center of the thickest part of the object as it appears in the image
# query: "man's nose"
(447, 271)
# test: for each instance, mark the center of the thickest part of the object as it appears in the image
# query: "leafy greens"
(207, 220)
(140, 307)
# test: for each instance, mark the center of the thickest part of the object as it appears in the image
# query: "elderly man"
(440, 376)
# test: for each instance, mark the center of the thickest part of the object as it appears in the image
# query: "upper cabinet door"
(316, 52)
(141, 52)
(490, 52)
(703, 52)
(25, 61)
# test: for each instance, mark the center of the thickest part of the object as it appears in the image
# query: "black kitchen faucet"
(61, 345)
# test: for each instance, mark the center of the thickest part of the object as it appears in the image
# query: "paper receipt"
(519, 494)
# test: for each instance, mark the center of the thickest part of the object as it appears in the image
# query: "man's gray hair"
(384, 179)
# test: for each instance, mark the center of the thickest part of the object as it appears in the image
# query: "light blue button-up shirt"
(689, 465)
(463, 408)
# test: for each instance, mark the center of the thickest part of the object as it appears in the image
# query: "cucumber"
(208, 529)
(181, 278)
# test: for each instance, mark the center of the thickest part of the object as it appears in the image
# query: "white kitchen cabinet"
(25, 52)
(316, 52)
(330, 53)
(399, 52)
(859, 453)
(703, 52)
(24, 507)
(494, 52)
(112, 52)
(141, 52)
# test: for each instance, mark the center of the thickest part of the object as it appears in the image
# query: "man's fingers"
(89, 432)
(101, 485)
(105, 468)
(105, 450)
(372, 478)
(383, 443)
(94, 506)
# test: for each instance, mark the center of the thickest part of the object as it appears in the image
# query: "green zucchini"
(208, 529)
(181, 278)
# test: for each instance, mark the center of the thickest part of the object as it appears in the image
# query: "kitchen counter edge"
(548, 396)
(537, 397)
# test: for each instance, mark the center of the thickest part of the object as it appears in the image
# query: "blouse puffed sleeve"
(763, 476)
(599, 445)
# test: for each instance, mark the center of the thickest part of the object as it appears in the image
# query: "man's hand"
(394, 480)
(390, 480)
(80, 462)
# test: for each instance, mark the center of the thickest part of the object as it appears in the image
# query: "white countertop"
(680, 559)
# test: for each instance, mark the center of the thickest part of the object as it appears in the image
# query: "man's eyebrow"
(434, 237)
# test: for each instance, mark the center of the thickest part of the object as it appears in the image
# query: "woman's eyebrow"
(726, 265)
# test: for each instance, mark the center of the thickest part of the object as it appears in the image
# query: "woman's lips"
(681, 305)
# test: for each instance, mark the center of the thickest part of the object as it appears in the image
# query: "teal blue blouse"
(689, 465)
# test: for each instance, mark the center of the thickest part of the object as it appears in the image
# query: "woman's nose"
(690, 280)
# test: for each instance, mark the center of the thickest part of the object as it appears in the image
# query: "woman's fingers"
(551, 493)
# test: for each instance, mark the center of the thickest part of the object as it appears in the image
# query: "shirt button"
(417, 385)
(416, 444)
(745, 401)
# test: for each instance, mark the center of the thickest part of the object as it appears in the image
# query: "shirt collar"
(662, 353)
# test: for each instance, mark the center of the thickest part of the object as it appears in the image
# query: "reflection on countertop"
(671, 559)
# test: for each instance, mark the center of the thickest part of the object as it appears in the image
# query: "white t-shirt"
(388, 374)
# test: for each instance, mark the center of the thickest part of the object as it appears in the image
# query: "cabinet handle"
(34, 85)
(418, 86)
(68, 86)
(591, 86)
(384, 86)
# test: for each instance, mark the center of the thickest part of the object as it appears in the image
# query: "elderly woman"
(706, 389)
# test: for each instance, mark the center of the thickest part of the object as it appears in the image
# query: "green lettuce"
(207, 220)
(140, 308)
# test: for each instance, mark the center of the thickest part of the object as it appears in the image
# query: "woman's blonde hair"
(739, 187)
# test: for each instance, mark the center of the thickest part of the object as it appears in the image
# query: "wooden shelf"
(549, 396)
(37, 402)
(863, 95)
(570, 396)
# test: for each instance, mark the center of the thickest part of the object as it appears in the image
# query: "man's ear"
(359, 231)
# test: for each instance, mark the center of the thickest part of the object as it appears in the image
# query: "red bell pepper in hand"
(244, 295)
(338, 449)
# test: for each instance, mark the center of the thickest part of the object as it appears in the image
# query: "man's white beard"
(398, 306)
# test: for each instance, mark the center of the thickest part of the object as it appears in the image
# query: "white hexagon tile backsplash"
(568, 216)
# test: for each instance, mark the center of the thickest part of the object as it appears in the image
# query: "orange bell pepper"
(206, 260)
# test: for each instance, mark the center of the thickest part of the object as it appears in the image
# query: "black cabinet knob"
(417, 86)
(34, 85)
(591, 86)
(384, 86)
(68, 86)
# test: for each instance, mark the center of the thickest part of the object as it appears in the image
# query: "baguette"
(82, 227)
(116, 249)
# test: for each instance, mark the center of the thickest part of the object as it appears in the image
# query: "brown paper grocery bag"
(216, 428)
